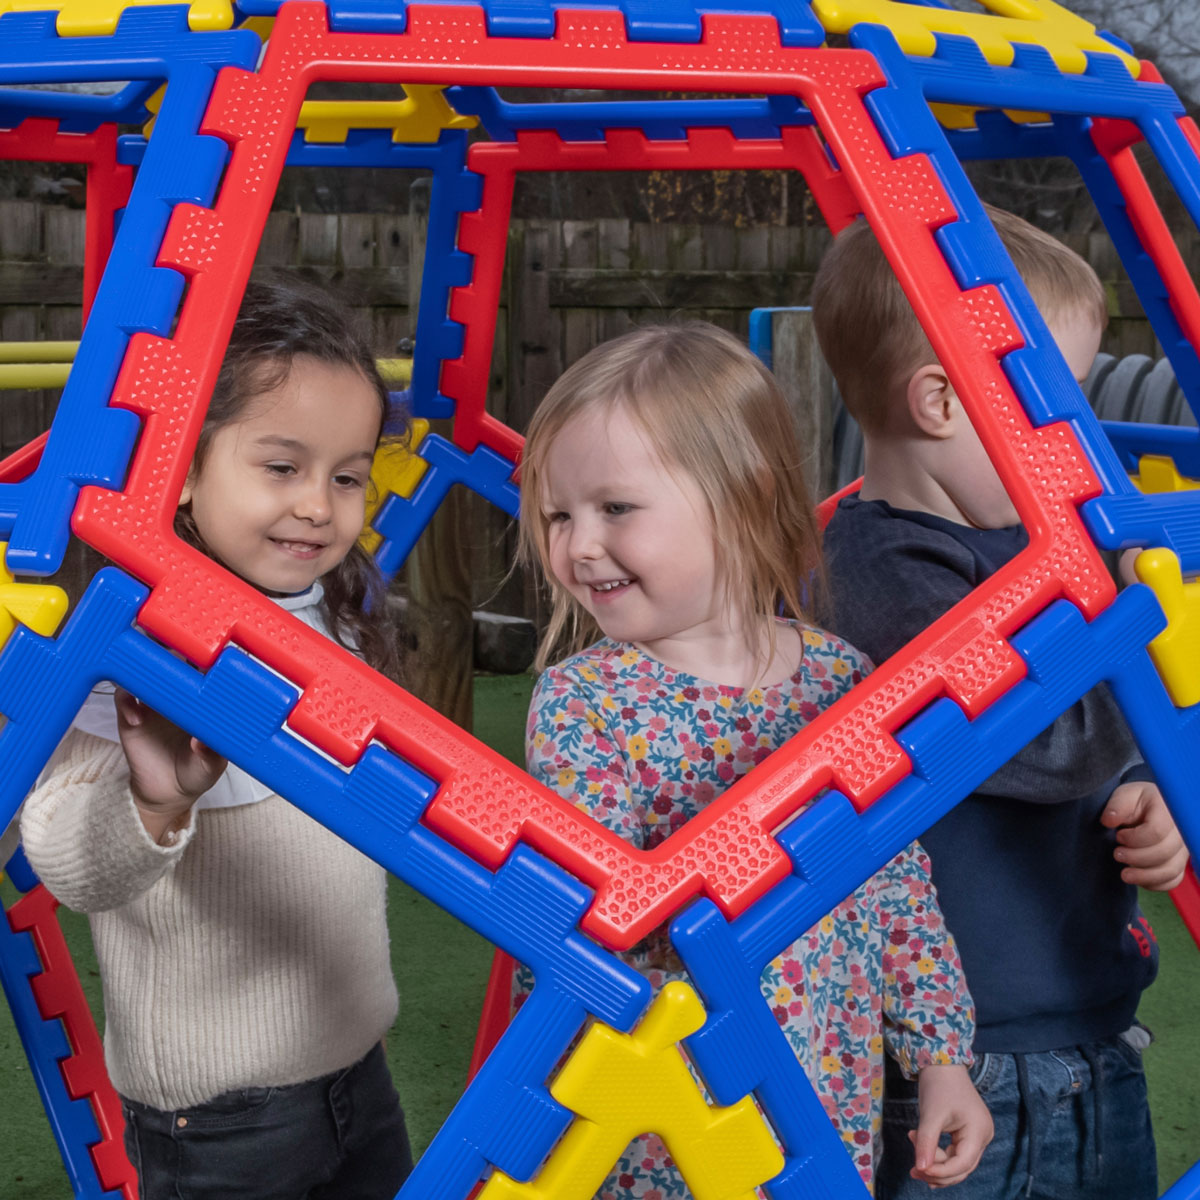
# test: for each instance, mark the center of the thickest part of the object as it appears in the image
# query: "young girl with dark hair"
(243, 947)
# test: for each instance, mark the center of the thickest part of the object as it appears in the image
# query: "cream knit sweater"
(253, 951)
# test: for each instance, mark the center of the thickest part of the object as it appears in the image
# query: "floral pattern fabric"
(643, 749)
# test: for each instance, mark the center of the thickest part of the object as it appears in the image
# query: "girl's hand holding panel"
(1150, 848)
(949, 1105)
(168, 768)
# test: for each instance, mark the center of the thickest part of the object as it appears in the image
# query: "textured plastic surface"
(520, 865)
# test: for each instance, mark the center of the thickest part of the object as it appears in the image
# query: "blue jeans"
(340, 1137)
(1071, 1124)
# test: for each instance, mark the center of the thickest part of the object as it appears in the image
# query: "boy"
(1055, 950)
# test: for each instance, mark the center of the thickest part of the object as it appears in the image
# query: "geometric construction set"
(877, 104)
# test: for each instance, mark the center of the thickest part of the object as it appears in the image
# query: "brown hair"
(278, 320)
(713, 412)
(871, 337)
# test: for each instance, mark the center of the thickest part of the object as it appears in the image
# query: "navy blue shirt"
(1055, 950)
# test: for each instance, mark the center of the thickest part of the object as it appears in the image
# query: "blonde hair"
(715, 414)
(871, 337)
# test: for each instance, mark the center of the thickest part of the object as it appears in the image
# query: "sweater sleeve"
(82, 833)
(929, 1018)
(886, 592)
(573, 748)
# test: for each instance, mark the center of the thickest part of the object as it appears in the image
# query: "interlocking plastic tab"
(621, 1085)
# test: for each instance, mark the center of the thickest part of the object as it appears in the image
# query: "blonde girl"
(665, 502)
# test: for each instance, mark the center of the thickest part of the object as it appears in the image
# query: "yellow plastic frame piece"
(39, 606)
(397, 469)
(98, 18)
(1063, 34)
(1176, 651)
(1158, 473)
(419, 117)
(621, 1085)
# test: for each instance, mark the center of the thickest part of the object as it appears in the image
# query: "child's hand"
(949, 1104)
(1149, 847)
(168, 769)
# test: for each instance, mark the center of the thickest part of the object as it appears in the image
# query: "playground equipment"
(876, 125)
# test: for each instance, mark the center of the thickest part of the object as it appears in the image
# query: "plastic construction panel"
(643, 20)
(1044, 384)
(77, 112)
(483, 234)
(89, 442)
(108, 183)
(71, 1120)
(832, 849)
(239, 707)
(59, 997)
(660, 120)
(483, 803)
(401, 521)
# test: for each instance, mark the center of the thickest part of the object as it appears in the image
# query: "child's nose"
(585, 542)
(313, 503)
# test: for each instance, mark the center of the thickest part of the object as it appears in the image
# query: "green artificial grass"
(441, 969)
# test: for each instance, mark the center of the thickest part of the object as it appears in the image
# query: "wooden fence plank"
(575, 288)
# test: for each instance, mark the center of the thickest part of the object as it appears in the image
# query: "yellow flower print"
(813, 638)
(629, 657)
(637, 746)
(566, 777)
(539, 739)
(595, 720)
(685, 764)
(840, 667)
(827, 924)
(593, 788)
(722, 747)
(755, 696)
(830, 1064)
(725, 701)
(876, 1088)
(608, 702)
(783, 994)
(588, 674)
(926, 965)
(877, 1044)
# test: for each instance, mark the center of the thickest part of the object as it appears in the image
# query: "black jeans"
(340, 1137)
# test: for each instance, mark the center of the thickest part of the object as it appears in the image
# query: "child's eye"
(617, 508)
(349, 481)
(280, 468)
(557, 518)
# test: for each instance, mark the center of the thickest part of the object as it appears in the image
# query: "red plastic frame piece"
(38, 139)
(484, 233)
(484, 804)
(1115, 141)
(59, 996)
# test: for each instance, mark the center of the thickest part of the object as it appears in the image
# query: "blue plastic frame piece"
(239, 707)
(89, 442)
(660, 120)
(740, 1047)
(401, 520)
(75, 112)
(645, 20)
(46, 1045)
(20, 874)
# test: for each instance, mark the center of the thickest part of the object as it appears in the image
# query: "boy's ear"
(185, 496)
(932, 401)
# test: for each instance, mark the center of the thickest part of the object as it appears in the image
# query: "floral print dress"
(642, 749)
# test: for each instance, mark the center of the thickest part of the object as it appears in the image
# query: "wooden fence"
(568, 285)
